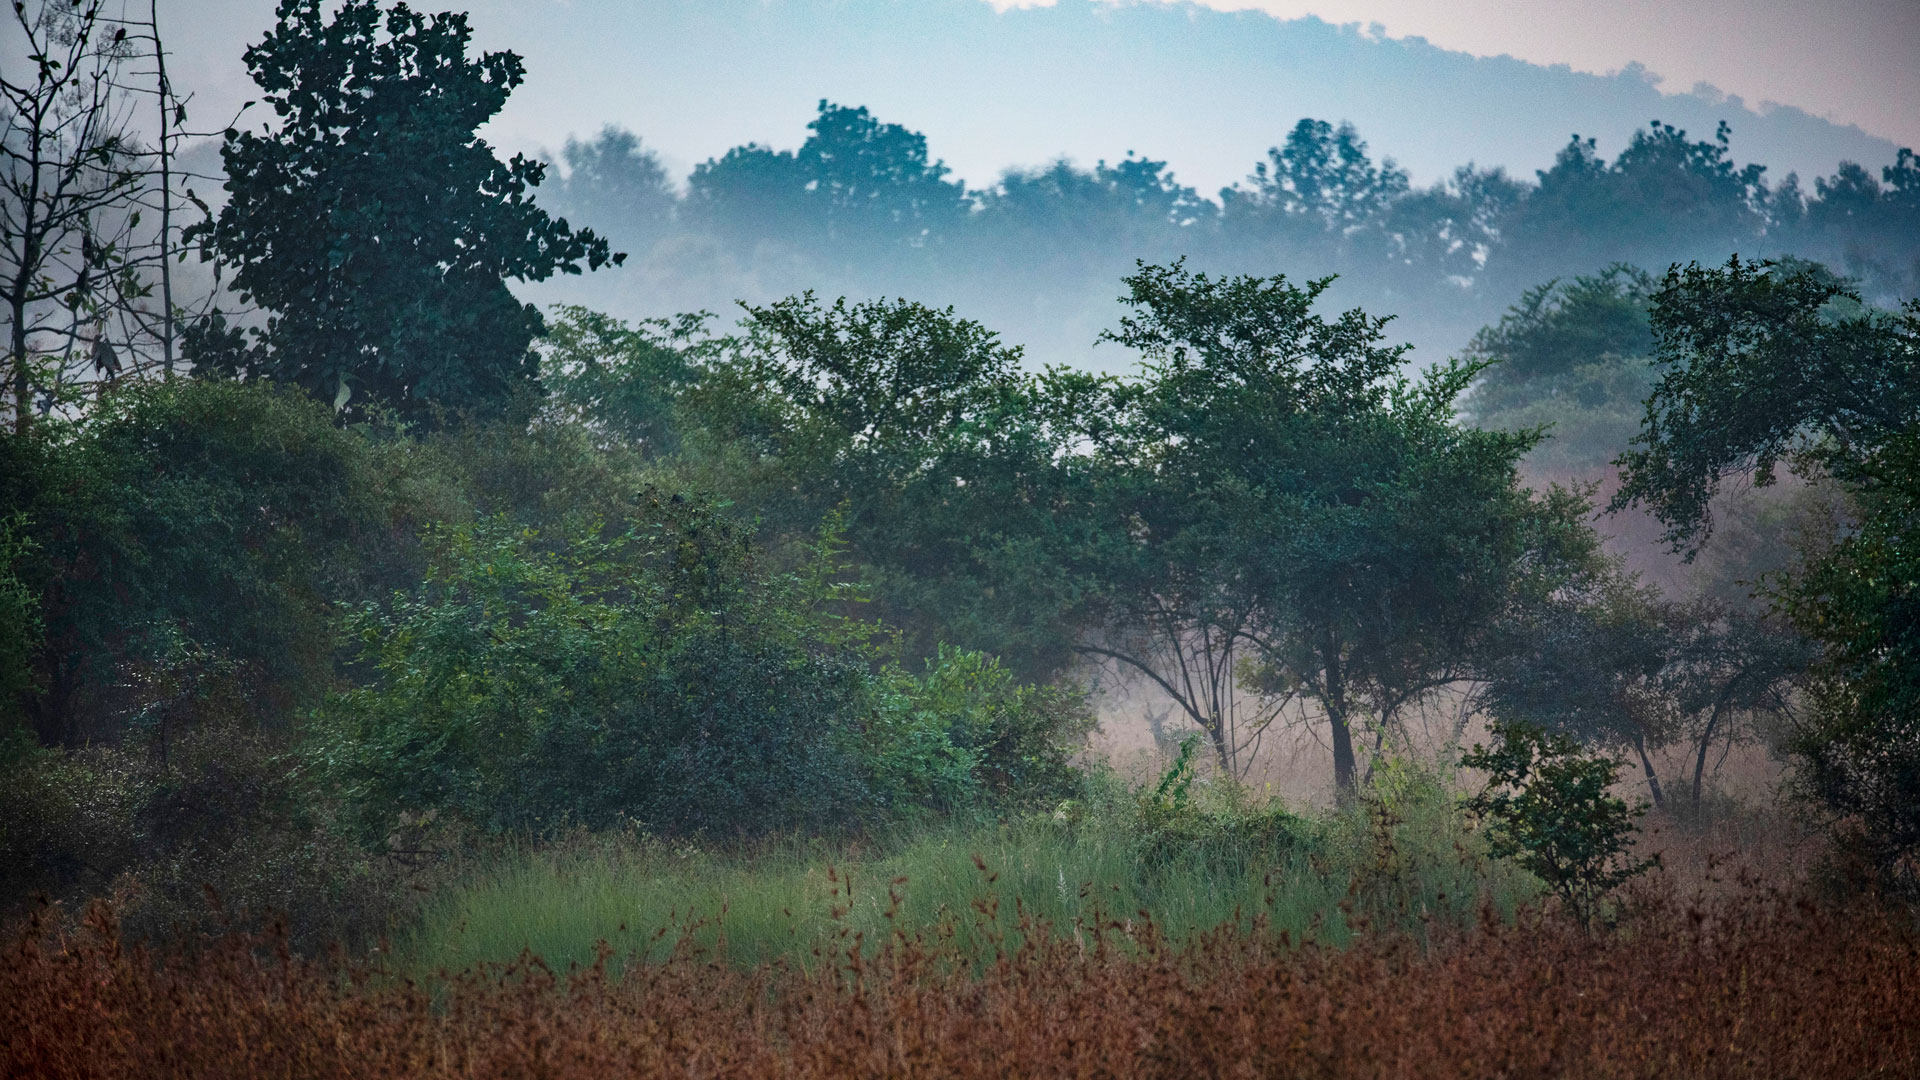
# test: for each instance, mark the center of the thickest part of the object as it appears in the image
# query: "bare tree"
(67, 177)
(87, 205)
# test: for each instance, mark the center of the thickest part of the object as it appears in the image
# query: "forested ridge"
(860, 205)
(365, 627)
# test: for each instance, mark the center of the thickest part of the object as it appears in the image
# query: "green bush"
(188, 532)
(966, 734)
(539, 680)
(20, 628)
(1548, 807)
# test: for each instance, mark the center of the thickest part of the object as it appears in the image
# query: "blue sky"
(1209, 90)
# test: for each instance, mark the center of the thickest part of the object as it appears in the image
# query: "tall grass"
(1401, 857)
(1750, 986)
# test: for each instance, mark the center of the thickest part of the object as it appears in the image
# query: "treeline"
(861, 206)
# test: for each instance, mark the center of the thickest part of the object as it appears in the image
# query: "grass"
(1403, 858)
(1754, 986)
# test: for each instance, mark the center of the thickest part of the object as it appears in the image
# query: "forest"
(402, 677)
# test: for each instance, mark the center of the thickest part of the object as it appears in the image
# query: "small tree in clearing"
(1548, 809)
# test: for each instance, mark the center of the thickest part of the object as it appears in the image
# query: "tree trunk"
(17, 354)
(1344, 771)
(1653, 780)
(1700, 762)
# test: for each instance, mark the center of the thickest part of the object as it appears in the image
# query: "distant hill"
(1208, 91)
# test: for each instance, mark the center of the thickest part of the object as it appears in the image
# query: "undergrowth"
(1760, 985)
(1191, 857)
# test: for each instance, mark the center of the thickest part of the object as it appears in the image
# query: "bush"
(1547, 802)
(578, 676)
(189, 532)
(222, 832)
(966, 734)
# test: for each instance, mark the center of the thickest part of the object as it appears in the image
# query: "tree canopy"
(375, 227)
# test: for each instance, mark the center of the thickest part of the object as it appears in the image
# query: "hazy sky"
(1853, 61)
(1207, 91)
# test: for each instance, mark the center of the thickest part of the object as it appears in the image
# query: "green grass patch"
(1402, 858)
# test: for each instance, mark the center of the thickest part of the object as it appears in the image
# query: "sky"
(998, 83)
(1853, 61)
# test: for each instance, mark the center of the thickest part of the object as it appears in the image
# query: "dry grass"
(1756, 986)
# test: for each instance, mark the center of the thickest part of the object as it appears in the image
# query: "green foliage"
(967, 735)
(624, 380)
(1612, 663)
(1573, 356)
(1760, 364)
(1860, 749)
(1277, 481)
(538, 681)
(219, 830)
(542, 680)
(20, 629)
(949, 464)
(1547, 804)
(1225, 830)
(1774, 363)
(191, 530)
(1664, 196)
(384, 279)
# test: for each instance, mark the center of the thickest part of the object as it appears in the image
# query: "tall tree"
(1312, 193)
(618, 186)
(1764, 365)
(373, 223)
(1285, 472)
(951, 467)
(857, 185)
(1665, 197)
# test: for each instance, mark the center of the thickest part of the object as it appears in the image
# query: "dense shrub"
(583, 676)
(965, 733)
(1548, 805)
(221, 830)
(189, 533)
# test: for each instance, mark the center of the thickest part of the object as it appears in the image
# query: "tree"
(1611, 663)
(1664, 197)
(372, 223)
(190, 528)
(1769, 364)
(1869, 227)
(1547, 801)
(950, 464)
(69, 175)
(1322, 180)
(1049, 222)
(1281, 469)
(1762, 364)
(1574, 354)
(856, 186)
(618, 186)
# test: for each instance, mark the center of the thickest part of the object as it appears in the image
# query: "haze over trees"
(861, 207)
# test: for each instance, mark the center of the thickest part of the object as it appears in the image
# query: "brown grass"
(1758, 986)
